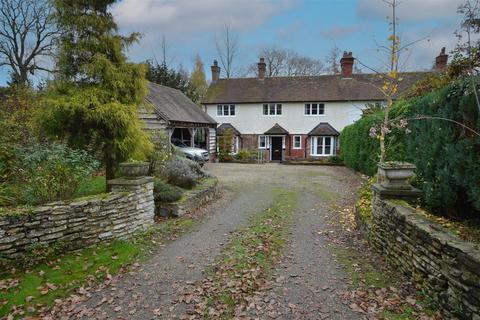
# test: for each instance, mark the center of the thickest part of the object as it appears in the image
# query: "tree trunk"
(109, 169)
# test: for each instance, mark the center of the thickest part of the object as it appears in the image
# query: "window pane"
(321, 108)
(312, 145)
(319, 145)
(225, 110)
(272, 109)
(279, 109)
(307, 108)
(328, 145)
(219, 110)
(314, 108)
(265, 109)
(296, 143)
(262, 142)
(232, 109)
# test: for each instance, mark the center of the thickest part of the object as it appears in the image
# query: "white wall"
(249, 118)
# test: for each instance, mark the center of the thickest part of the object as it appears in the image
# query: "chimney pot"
(441, 61)
(346, 63)
(262, 68)
(215, 71)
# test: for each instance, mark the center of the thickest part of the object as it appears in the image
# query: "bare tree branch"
(227, 49)
(27, 31)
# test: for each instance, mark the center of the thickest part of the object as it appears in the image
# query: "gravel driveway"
(305, 285)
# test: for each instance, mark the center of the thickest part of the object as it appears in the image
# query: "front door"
(277, 145)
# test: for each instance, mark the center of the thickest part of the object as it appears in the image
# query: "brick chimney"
(441, 61)
(215, 71)
(262, 68)
(347, 64)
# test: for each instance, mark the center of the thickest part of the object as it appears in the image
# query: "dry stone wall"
(79, 223)
(447, 268)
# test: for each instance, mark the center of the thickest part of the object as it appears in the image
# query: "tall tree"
(333, 59)
(163, 75)
(283, 62)
(198, 78)
(227, 49)
(93, 101)
(27, 34)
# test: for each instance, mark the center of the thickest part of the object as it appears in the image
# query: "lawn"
(32, 289)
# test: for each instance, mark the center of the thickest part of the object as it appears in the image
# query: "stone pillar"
(140, 198)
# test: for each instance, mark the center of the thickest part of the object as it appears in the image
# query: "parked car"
(196, 154)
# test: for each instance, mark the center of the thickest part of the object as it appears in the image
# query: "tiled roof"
(361, 87)
(324, 129)
(172, 105)
(226, 126)
(276, 129)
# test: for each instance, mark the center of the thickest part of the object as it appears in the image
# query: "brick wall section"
(446, 267)
(127, 209)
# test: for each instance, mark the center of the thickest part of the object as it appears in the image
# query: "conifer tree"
(93, 101)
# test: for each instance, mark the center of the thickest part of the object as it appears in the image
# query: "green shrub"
(53, 172)
(447, 156)
(183, 173)
(164, 192)
(246, 155)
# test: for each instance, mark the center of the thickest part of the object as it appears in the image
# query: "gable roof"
(276, 129)
(227, 126)
(324, 129)
(361, 87)
(172, 105)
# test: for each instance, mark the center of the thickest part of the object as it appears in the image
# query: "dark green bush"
(447, 155)
(164, 192)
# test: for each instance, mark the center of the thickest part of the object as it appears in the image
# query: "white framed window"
(322, 146)
(272, 109)
(226, 110)
(314, 109)
(263, 142)
(297, 142)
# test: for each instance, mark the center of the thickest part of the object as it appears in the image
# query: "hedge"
(447, 156)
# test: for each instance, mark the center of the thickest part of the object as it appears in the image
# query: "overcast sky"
(311, 27)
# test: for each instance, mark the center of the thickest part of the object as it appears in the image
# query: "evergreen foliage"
(93, 101)
(446, 154)
(163, 75)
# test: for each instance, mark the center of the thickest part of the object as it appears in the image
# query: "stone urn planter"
(395, 175)
(134, 169)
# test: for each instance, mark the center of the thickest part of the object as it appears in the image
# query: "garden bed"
(191, 200)
(312, 163)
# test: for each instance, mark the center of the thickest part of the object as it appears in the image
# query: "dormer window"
(314, 109)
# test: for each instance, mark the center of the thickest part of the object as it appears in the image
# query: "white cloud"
(410, 10)
(186, 18)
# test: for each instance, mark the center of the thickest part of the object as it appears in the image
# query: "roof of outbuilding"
(227, 126)
(276, 129)
(324, 129)
(361, 87)
(172, 105)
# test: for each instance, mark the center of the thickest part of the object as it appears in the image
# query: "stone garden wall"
(79, 223)
(444, 266)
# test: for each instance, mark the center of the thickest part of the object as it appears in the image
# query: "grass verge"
(245, 264)
(25, 292)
